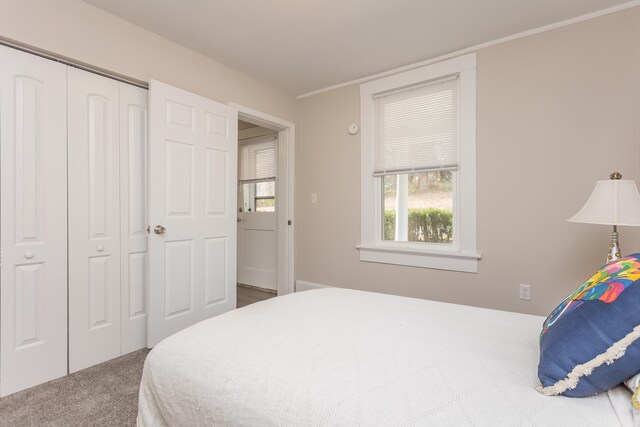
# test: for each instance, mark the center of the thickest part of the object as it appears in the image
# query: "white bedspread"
(337, 357)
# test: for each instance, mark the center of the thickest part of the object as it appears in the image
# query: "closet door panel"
(94, 219)
(133, 214)
(33, 218)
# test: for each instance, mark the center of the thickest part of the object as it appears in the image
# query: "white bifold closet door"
(133, 216)
(33, 215)
(94, 219)
(107, 218)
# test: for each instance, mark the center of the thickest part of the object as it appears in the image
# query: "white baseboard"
(303, 285)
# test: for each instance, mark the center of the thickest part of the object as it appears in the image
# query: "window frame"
(275, 191)
(462, 254)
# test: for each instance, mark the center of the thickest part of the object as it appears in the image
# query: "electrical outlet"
(314, 198)
(525, 292)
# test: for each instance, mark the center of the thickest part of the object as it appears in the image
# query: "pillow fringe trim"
(635, 399)
(613, 353)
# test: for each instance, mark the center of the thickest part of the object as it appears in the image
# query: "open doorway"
(257, 213)
(265, 206)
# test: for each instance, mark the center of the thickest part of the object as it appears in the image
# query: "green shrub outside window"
(425, 225)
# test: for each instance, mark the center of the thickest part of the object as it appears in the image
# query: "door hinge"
(289, 222)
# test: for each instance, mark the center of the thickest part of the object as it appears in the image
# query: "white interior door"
(34, 220)
(94, 219)
(258, 250)
(257, 239)
(133, 216)
(192, 204)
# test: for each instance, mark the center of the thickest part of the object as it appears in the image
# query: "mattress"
(339, 357)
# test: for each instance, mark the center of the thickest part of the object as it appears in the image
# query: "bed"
(339, 357)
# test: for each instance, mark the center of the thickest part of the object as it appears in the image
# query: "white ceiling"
(305, 45)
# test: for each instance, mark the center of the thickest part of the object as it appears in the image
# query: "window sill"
(441, 260)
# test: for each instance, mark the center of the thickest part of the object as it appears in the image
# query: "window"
(257, 175)
(418, 207)
(265, 199)
(418, 167)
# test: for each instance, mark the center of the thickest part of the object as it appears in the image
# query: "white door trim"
(286, 146)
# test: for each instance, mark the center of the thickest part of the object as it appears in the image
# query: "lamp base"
(614, 248)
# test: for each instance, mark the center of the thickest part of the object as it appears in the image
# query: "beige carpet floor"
(103, 395)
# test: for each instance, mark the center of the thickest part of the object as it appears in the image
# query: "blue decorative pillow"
(591, 341)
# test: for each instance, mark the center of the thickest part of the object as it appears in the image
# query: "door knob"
(28, 255)
(158, 229)
(100, 248)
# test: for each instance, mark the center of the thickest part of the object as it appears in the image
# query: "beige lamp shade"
(613, 202)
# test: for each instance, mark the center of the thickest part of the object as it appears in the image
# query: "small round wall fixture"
(353, 129)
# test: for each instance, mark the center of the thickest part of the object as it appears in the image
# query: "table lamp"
(613, 202)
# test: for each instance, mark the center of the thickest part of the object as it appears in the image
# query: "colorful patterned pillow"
(591, 341)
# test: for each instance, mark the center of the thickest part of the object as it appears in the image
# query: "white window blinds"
(258, 161)
(417, 129)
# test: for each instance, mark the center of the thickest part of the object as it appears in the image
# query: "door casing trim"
(285, 190)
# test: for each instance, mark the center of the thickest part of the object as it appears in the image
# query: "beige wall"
(556, 111)
(85, 33)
